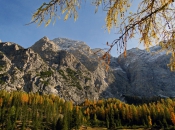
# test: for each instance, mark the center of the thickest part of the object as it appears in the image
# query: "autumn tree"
(153, 21)
(173, 118)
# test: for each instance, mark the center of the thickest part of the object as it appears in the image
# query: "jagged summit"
(44, 44)
(45, 38)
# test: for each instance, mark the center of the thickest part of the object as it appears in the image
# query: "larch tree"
(153, 21)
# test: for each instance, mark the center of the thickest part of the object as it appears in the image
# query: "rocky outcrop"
(71, 69)
(148, 73)
(80, 50)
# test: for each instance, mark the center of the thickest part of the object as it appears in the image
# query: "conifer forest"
(21, 111)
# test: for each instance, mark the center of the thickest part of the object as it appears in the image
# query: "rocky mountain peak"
(45, 39)
(44, 44)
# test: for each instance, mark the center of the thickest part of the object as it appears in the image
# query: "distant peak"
(66, 43)
(44, 39)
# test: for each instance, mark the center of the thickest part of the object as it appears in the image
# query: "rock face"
(57, 67)
(148, 73)
(71, 70)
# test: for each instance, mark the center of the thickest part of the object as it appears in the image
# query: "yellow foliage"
(86, 102)
(52, 97)
(173, 117)
(40, 100)
(100, 102)
(24, 98)
(120, 105)
(150, 120)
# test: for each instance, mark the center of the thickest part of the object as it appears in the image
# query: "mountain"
(71, 69)
(148, 73)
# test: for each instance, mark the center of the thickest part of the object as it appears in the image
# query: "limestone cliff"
(70, 69)
(48, 67)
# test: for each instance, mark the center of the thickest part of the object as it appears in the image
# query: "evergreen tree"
(112, 122)
(107, 121)
(59, 125)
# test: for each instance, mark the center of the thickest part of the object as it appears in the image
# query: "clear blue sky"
(89, 27)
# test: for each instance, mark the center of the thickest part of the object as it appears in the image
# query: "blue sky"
(89, 27)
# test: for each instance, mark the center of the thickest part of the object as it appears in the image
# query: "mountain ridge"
(70, 69)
